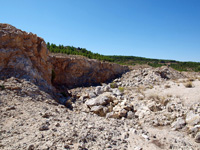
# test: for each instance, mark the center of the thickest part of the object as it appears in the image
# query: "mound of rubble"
(127, 97)
(103, 117)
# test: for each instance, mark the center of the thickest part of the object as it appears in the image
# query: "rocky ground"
(145, 109)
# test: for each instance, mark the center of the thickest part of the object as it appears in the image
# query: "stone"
(98, 110)
(197, 137)
(154, 107)
(194, 129)
(31, 147)
(130, 115)
(102, 99)
(123, 113)
(192, 119)
(92, 95)
(178, 124)
(43, 128)
(98, 90)
(112, 115)
(142, 111)
(66, 146)
(24, 54)
(106, 88)
(116, 92)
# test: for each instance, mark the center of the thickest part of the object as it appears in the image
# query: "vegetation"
(121, 89)
(113, 85)
(125, 60)
(189, 85)
(167, 86)
(2, 87)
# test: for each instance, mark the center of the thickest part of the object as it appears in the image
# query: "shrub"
(167, 86)
(121, 89)
(151, 87)
(191, 79)
(2, 87)
(189, 85)
(113, 85)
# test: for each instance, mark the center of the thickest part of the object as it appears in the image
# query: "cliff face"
(24, 55)
(75, 71)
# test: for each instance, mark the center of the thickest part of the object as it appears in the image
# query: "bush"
(121, 89)
(113, 85)
(167, 86)
(2, 87)
(189, 85)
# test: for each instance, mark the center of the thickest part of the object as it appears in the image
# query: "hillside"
(125, 60)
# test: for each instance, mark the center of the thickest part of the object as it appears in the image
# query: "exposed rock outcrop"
(24, 55)
(76, 71)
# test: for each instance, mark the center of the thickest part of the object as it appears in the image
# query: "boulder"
(24, 55)
(98, 90)
(192, 118)
(142, 111)
(116, 92)
(102, 99)
(91, 95)
(130, 115)
(112, 115)
(99, 110)
(178, 124)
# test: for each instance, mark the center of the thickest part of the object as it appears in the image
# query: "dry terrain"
(152, 113)
(144, 109)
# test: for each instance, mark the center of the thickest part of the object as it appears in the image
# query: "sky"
(163, 29)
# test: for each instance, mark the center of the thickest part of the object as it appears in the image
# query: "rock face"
(75, 71)
(24, 55)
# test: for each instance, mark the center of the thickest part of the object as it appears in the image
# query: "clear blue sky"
(165, 29)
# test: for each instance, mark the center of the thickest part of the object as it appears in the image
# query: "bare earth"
(139, 111)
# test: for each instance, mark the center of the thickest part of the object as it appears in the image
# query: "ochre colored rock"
(75, 71)
(26, 54)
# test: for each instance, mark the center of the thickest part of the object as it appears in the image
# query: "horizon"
(122, 55)
(167, 30)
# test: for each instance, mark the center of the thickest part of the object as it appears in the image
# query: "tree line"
(124, 60)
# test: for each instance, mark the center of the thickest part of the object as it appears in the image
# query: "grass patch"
(121, 89)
